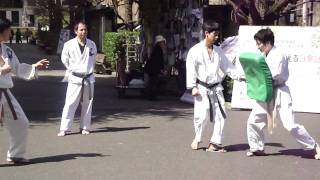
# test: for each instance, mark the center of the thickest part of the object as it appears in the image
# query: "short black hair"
(4, 24)
(265, 36)
(76, 25)
(210, 26)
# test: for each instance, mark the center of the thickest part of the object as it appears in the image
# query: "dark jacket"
(155, 64)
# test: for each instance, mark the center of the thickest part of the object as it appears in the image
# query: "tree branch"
(115, 9)
(273, 13)
(237, 11)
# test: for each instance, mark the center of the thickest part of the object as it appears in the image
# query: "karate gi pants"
(73, 97)
(202, 115)
(258, 120)
(17, 129)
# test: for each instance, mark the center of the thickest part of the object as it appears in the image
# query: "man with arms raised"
(11, 113)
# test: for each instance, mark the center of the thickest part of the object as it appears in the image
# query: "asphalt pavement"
(136, 139)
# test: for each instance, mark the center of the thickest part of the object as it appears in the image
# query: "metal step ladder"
(131, 51)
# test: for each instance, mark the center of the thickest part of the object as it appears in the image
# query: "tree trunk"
(55, 15)
(259, 11)
(128, 14)
(304, 13)
(72, 17)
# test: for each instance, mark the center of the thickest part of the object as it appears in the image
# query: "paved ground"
(137, 139)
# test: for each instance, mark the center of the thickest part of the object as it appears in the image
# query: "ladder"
(131, 51)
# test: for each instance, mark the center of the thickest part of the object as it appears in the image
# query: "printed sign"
(64, 37)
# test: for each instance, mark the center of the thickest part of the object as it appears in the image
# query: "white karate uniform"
(278, 65)
(18, 129)
(81, 63)
(200, 66)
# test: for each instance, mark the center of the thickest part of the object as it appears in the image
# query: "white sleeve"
(65, 56)
(279, 70)
(23, 70)
(191, 71)
(95, 49)
(26, 71)
(228, 68)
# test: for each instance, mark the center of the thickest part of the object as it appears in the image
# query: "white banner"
(302, 46)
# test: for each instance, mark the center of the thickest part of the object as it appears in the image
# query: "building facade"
(20, 12)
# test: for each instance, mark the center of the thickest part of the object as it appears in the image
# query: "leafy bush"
(114, 45)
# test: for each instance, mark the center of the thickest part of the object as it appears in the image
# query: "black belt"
(85, 78)
(211, 86)
(6, 94)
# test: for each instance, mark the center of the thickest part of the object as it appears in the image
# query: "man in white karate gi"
(204, 61)
(11, 113)
(278, 65)
(78, 56)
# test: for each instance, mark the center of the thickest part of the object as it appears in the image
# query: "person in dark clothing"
(18, 36)
(27, 35)
(181, 65)
(11, 35)
(154, 67)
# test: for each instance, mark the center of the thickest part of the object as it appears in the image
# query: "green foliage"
(43, 20)
(227, 84)
(114, 45)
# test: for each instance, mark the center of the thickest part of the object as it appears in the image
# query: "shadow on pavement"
(274, 144)
(236, 147)
(117, 129)
(306, 154)
(57, 158)
(111, 129)
(244, 147)
(171, 113)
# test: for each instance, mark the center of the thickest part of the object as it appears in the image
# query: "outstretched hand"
(242, 78)
(42, 64)
(5, 69)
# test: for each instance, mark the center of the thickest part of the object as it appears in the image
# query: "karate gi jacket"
(199, 65)
(21, 70)
(278, 65)
(75, 61)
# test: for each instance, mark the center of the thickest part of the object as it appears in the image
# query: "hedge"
(114, 45)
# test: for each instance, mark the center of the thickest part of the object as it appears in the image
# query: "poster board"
(64, 37)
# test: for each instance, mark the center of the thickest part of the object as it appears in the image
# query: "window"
(18, 3)
(11, 4)
(5, 3)
(31, 20)
(15, 18)
(2, 14)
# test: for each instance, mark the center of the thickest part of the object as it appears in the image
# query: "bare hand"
(42, 64)
(195, 91)
(242, 78)
(5, 69)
